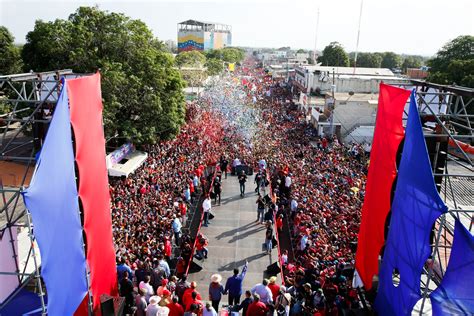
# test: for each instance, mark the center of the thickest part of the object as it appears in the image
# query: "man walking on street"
(223, 164)
(242, 180)
(260, 208)
(233, 286)
(206, 208)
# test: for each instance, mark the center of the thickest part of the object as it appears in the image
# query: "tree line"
(213, 60)
(453, 63)
(335, 55)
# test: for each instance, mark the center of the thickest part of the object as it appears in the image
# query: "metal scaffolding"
(27, 102)
(447, 114)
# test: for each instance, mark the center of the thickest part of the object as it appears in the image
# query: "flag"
(416, 206)
(86, 118)
(52, 200)
(382, 172)
(454, 295)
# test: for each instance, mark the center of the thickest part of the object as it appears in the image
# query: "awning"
(128, 165)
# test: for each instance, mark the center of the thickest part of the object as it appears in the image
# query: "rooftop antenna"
(316, 39)
(358, 36)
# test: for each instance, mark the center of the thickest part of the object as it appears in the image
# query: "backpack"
(281, 309)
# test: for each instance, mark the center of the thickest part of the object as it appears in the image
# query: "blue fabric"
(415, 207)
(24, 303)
(53, 202)
(454, 296)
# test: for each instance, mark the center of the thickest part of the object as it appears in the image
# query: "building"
(417, 73)
(312, 78)
(198, 35)
(350, 111)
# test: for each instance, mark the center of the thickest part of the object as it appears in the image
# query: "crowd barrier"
(280, 261)
(199, 208)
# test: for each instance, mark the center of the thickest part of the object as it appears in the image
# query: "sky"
(419, 27)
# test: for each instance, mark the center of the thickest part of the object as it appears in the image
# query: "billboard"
(190, 40)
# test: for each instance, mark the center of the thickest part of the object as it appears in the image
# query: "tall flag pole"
(316, 39)
(358, 35)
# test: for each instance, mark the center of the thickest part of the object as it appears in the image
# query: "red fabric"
(175, 309)
(275, 289)
(388, 134)
(257, 309)
(86, 118)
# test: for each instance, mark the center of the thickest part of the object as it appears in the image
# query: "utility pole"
(333, 105)
(316, 38)
(358, 36)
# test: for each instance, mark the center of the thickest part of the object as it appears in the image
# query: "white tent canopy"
(125, 160)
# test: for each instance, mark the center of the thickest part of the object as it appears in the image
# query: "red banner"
(388, 134)
(85, 101)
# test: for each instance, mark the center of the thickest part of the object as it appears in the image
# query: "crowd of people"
(317, 187)
(310, 189)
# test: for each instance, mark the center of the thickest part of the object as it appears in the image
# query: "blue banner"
(53, 203)
(415, 208)
(454, 296)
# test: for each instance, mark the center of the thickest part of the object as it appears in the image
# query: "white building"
(346, 79)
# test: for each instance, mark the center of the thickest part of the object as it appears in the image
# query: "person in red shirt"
(275, 288)
(257, 308)
(183, 209)
(194, 300)
(168, 248)
(279, 223)
(175, 308)
(187, 295)
(180, 267)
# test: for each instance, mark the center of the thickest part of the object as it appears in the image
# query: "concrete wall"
(354, 113)
(356, 85)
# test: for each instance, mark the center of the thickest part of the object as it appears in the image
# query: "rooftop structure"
(200, 35)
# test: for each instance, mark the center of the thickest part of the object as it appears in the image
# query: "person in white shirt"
(176, 226)
(264, 291)
(288, 185)
(164, 265)
(154, 309)
(236, 162)
(206, 208)
(147, 288)
(303, 242)
(294, 205)
(209, 310)
(288, 181)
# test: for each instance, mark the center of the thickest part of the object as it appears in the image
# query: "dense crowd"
(315, 188)
(318, 186)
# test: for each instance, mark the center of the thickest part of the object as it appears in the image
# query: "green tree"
(214, 66)
(391, 60)
(142, 91)
(10, 59)
(334, 55)
(300, 51)
(192, 58)
(369, 60)
(412, 62)
(454, 63)
(213, 53)
(232, 55)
